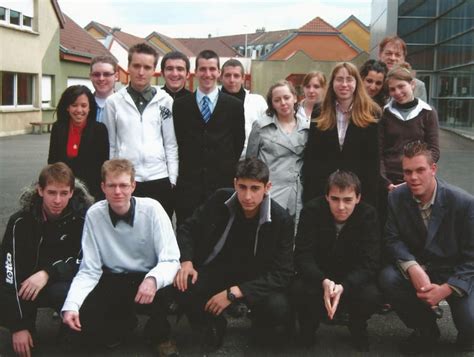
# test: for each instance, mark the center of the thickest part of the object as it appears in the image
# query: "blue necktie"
(205, 109)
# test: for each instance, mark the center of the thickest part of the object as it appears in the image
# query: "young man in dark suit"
(210, 130)
(429, 236)
(337, 255)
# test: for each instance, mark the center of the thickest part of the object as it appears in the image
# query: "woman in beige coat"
(278, 139)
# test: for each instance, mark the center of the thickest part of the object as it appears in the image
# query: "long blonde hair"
(364, 110)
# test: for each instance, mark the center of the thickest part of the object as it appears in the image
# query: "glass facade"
(440, 40)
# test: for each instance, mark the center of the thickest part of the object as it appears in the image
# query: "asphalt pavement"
(21, 158)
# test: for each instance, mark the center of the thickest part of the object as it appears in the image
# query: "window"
(17, 89)
(18, 13)
(46, 91)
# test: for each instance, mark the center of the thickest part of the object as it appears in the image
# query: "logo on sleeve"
(165, 113)
(9, 269)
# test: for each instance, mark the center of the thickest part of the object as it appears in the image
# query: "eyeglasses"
(102, 74)
(121, 186)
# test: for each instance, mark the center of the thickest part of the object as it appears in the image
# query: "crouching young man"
(41, 251)
(238, 246)
(129, 253)
(336, 258)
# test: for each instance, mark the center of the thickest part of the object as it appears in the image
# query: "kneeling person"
(41, 251)
(129, 253)
(238, 246)
(336, 258)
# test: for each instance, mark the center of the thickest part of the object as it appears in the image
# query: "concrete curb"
(464, 133)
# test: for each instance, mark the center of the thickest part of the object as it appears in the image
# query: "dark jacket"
(351, 259)
(208, 152)
(26, 250)
(323, 156)
(273, 243)
(446, 248)
(93, 152)
(175, 95)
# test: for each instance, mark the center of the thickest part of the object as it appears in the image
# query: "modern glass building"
(440, 39)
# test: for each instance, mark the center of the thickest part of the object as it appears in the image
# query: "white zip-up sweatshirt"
(147, 140)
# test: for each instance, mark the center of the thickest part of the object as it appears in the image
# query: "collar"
(265, 208)
(240, 94)
(128, 217)
(302, 123)
(419, 107)
(212, 96)
(431, 201)
(182, 92)
(148, 93)
(339, 108)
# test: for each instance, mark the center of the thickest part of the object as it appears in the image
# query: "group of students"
(304, 168)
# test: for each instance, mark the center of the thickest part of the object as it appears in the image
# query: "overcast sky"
(181, 18)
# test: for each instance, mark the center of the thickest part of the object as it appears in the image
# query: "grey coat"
(284, 156)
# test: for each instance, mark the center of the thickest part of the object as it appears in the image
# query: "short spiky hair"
(207, 54)
(233, 63)
(117, 167)
(254, 169)
(175, 55)
(104, 59)
(416, 148)
(142, 48)
(58, 172)
(343, 180)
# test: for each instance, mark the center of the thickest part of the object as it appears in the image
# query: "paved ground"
(21, 157)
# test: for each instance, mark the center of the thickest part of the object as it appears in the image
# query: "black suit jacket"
(351, 259)
(208, 152)
(93, 151)
(446, 247)
(323, 156)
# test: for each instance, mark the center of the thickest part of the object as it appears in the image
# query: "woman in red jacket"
(77, 139)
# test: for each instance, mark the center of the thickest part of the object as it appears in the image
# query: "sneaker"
(167, 349)
(421, 340)
(214, 334)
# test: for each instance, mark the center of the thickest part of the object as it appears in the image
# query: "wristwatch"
(230, 296)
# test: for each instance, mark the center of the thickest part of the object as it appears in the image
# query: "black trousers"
(416, 314)
(109, 311)
(307, 297)
(272, 312)
(52, 295)
(159, 190)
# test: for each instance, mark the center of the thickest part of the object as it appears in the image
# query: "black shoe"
(359, 336)
(421, 340)
(214, 334)
(464, 345)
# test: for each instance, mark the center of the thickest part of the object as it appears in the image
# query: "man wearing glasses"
(103, 76)
(129, 253)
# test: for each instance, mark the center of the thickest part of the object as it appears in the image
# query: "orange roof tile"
(317, 25)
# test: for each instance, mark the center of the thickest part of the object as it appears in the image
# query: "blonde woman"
(345, 135)
(314, 87)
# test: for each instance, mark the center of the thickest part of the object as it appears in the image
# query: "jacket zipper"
(37, 252)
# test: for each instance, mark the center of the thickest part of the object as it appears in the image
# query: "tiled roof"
(272, 37)
(75, 40)
(196, 45)
(318, 25)
(238, 40)
(172, 42)
(127, 39)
